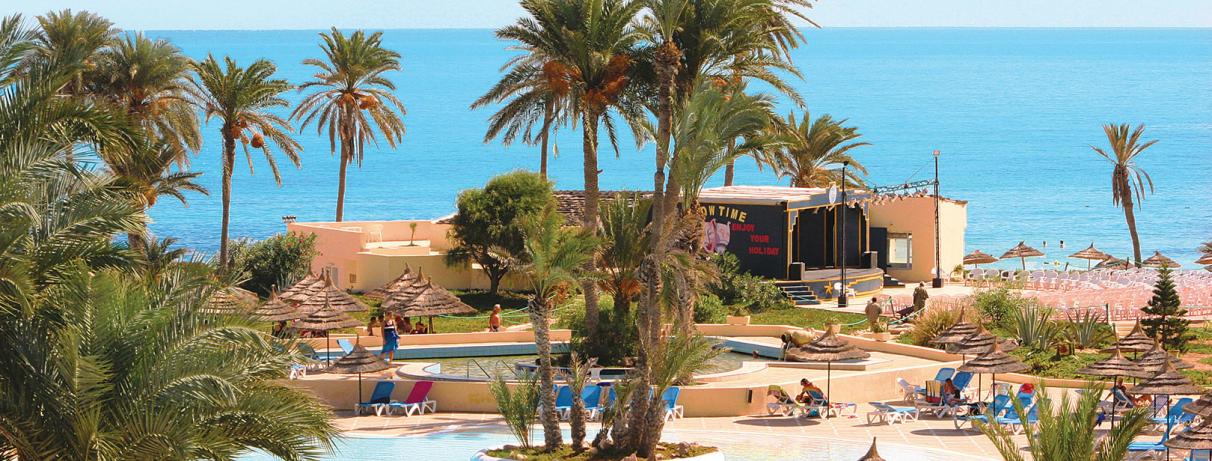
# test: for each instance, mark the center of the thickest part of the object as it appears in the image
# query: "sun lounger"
(943, 374)
(672, 409)
(563, 403)
(889, 414)
(379, 398)
(417, 401)
(1139, 450)
(932, 400)
(1174, 415)
(590, 395)
(1015, 422)
(821, 404)
(346, 346)
(994, 410)
(784, 403)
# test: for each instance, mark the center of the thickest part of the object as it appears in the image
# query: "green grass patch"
(1049, 365)
(810, 318)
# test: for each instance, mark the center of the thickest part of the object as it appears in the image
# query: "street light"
(841, 298)
(938, 248)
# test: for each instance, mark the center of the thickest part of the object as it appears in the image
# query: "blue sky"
(314, 14)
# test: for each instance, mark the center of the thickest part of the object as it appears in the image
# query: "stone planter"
(881, 337)
(482, 455)
(737, 320)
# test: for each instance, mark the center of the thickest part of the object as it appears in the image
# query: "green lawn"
(809, 318)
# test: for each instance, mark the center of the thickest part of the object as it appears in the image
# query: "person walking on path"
(920, 296)
(873, 312)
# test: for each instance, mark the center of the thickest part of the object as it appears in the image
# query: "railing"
(467, 369)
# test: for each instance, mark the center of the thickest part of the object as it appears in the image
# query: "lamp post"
(938, 247)
(841, 298)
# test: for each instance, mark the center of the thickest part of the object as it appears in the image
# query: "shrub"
(735, 287)
(997, 304)
(710, 309)
(1164, 316)
(623, 340)
(519, 407)
(930, 323)
(1087, 331)
(279, 260)
(487, 228)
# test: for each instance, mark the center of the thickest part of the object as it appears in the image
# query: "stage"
(862, 282)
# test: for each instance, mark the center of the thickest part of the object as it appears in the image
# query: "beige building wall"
(367, 254)
(915, 216)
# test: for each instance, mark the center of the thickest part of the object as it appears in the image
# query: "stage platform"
(820, 281)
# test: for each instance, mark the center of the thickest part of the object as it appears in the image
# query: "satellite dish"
(832, 193)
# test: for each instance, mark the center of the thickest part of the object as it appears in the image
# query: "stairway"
(798, 292)
(890, 281)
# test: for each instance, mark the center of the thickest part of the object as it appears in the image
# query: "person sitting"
(807, 388)
(781, 400)
(951, 393)
(420, 328)
(404, 326)
(1121, 398)
(371, 325)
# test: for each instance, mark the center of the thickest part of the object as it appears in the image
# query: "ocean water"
(1014, 112)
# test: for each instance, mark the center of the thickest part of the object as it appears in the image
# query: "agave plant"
(1087, 330)
(1034, 328)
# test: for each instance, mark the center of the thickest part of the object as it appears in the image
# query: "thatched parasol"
(1113, 263)
(1201, 407)
(405, 279)
(326, 319)
(359, 361)
(1135, 341)
(276, 310)
(1091, 254)
(1155, 359)
(956, 332)
(1160, 260)
(1169, 382)
(993, 362)
(976, 258)
(1199, 438)
(303, 289)
(433, 300)
(1022, 252)
(1113, 367)
(827, 348)
(872, 454)
(979, 343)
(1205, 260)
(329, 294)
(398, 300)
(230, 300)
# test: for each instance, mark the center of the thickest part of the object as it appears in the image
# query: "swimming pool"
(737, 446)
(487, 367)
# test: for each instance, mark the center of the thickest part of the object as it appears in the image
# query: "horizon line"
(1209, 27)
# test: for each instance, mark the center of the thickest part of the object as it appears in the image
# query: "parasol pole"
(327, 348)
(828, 386)
(359, 387)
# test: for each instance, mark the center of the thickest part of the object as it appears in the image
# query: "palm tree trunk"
(590, 219)
(729, 172)
(543, 136)
(576, 419)
(1130, 216)
(346, 157)
(547, 396)
(229, 158)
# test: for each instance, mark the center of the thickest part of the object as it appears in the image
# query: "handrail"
(481, 367)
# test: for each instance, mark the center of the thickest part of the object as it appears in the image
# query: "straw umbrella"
(1160, 260)
(329, 294)
(1135, 341)
(1022, 252)
(299, 292)
(1114, 367)
(1201, 407)
(1204, 260)
(1091, 254)
(276, 310)
(229, 300)
(872, 455)
(359, 361)
(398, 300)
(326, 319)
(1169, 382)
(405, 279)
(955, 333)
(978, 343)
(827, 348)
(1113, 263)
(1156, 358)
(1199, 438)
(976, 258)
(434, 300)
(993, 362)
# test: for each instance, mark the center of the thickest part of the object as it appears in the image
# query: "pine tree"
(1165, 318)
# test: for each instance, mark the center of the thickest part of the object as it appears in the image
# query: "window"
(900, 251)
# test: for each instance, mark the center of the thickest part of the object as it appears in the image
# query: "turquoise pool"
(486, 367)
(739, 446)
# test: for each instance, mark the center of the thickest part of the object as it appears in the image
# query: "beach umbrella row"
(993, 362)
(1022, 251)
(408, 277)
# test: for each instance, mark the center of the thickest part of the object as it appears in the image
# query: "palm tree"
(589, 47)
(1066, 431)
(148, 79)
(147, 173)
(353, 98)
(813, 151)
(15, 41)
(624, 245)
(72, 40)
(158, 257)
(555, 260)
(1126, 176)
(530, 97)
(242, 98)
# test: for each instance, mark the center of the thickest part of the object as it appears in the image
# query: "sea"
(1013, 113)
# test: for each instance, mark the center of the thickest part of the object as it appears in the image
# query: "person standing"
(390, 338)
(494, 320)
(920, 296)
(873, 312)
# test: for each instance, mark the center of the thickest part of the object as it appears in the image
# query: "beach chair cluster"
(817, 404)
(380, 402)
(1002, 411)
(591, 396)
(930, 399)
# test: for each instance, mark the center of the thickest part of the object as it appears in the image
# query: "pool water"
(488, 367)
(737, 446)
